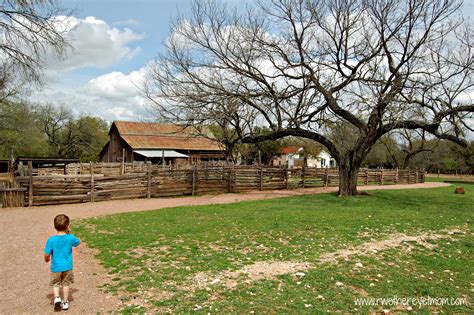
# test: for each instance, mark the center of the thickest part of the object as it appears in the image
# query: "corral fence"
(107, 181)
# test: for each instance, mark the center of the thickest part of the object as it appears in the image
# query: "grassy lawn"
(155, 258)
(467, 180)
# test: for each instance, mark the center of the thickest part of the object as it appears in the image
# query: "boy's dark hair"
(61, 222)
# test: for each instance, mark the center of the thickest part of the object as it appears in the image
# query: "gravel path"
(23, 231)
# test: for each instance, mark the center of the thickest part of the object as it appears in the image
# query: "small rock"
(459, 190)
(216, 281)
(308, 305)
(320, 297)
(339, 284)
(358, 265)
(372, 284)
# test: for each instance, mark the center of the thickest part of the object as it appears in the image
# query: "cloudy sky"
(113, 40)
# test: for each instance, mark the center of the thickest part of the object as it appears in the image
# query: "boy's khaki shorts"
(65, 278)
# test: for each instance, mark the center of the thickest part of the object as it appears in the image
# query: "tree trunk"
(348, 173)
(228, 154)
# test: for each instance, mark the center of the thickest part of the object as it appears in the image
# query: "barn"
(158, 143)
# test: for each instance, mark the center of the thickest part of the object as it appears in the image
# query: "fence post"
(261, 177)
(302, 176)
(286, 177)
(30, 184)
(122, 169)
(381, 176)
(416, 176)
(229, 179)
(194, 180)
(408, 175)
(326, 178)
(423, 175)
(366, 177)
(148, 193)
(91, 168)
(396, 176)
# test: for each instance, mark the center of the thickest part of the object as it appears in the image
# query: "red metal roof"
(170, 142)
(289, 150)
(163, 136)
(149, 129)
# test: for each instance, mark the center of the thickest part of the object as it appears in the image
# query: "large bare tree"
(308, 68)
(29, 31)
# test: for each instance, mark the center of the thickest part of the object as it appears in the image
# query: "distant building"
(294, 156)
(158, 143)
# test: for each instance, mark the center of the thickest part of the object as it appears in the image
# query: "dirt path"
(23, 232)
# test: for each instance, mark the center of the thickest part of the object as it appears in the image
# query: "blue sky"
(149, 17)
(113, 42)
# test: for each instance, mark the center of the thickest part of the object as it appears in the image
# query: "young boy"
(59, 247)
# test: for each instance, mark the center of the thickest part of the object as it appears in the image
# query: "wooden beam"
(148, 193)
(30, 184)
(91, 168)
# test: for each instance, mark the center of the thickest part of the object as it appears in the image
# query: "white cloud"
(116, 85)
(94, 44)
(112, 96)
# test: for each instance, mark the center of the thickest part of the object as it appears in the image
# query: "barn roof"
(140, 135)
(151, 129)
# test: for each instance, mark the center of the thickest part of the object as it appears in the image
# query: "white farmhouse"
(294, 156)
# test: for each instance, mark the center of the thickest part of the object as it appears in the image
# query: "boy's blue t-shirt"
(60, 248)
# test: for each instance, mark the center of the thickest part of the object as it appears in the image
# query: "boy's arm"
(48, 250)
(75, 241)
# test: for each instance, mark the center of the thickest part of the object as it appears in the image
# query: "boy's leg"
(55, 283)
(57, 300)
(67, 281)
(55, 291)
(66, 293)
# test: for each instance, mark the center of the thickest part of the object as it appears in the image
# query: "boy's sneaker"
(65, 305)
(57, 303)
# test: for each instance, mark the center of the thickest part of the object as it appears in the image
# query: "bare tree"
(29, 30)
(409, 144)
(306, 68)
(56, 122)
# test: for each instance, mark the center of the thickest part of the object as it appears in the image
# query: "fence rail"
(96, 182)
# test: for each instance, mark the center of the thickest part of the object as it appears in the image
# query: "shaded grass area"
(463, 180)
(152, 256)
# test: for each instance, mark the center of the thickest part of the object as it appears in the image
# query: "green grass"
(160, 251)
(466, 180)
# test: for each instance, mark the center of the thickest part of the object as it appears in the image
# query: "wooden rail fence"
(96, 182)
